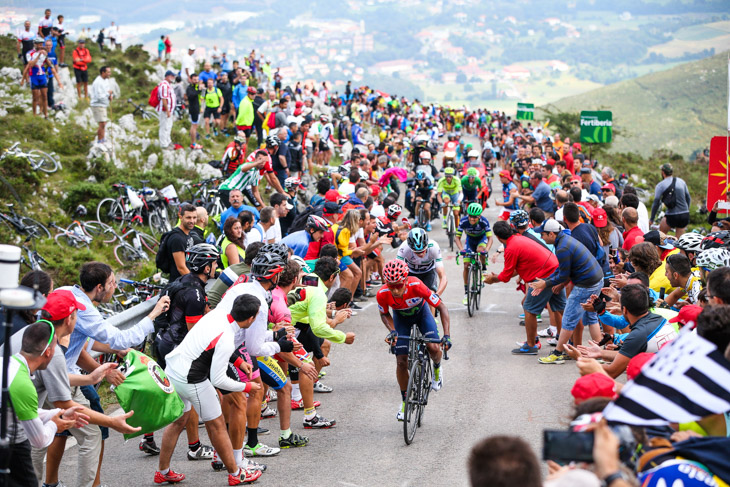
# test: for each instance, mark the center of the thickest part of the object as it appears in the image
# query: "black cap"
(331, 208)
(585, 170)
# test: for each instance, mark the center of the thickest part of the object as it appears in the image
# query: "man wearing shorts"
(101, 95)
(213, 97)
(576, 265)
(529, 260)
(35, 73)
(81, 60)
(196, 367)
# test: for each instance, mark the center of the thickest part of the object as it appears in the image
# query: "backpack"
(669, 196)
(162, 322)
(300, 221)
(163, 259)
(154, 100)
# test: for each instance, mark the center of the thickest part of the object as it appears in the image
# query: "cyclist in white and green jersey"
(29, 425)
(448, 190)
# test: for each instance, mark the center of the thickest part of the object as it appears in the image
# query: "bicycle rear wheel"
(158, 221)
(34, 228)
(149, 242)
(412, 411)
(95, 228)
(70, 240)
(127, 255)
(42, 161)
(110, 212)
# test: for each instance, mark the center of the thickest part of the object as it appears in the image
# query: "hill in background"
(680, 109)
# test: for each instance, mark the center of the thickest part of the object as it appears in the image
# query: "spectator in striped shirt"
(576, 265)
(166, 95)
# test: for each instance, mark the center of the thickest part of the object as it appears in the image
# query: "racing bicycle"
(419, 381)
(146, 113)
(32, 259)
(39, 160)
(23, 224)
(450, 225)
(474, 280)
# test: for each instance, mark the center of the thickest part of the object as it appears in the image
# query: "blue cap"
(169, 73)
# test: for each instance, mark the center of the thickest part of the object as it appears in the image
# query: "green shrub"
(70, 140)
(84, 193)
(16, 110)
(17, 173)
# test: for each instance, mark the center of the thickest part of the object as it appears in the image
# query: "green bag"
(149, 393)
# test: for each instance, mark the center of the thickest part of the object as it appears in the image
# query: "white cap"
(551, 225)
(191, 47)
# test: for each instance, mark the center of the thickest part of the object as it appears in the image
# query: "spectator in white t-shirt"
(281, 206)
(187, 68)
(112, 35)
(267, 222)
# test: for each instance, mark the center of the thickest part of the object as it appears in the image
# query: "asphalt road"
(487, 391)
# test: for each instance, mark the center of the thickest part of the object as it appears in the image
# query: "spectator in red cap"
(509, 195)
(611, 236)
(607, 190)
(593, 385)
(637, 363)
(687, 316)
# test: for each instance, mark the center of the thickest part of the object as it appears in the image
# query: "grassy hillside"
(680, 109)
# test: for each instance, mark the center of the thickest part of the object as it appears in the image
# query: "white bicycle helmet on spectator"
(394, 210)
(272, 141)
(291, 183)
(317, 223)
(690, 242)
(712, 259)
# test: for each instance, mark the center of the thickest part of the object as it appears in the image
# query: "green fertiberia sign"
(596, 127)
(525, 111)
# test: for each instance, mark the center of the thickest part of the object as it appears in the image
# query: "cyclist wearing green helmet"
(471, 184)
(448, 190)
(478, 237)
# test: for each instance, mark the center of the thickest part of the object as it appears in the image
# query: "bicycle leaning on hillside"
(39, 160)
(23, 224)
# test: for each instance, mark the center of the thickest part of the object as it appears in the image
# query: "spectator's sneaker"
(244, 477)
(522, 316)
(525, 350)
(354, 305)
(537, 344)
(318, 422)
(429, 227)
(149, 447)
(555, 357)
(57, 484)
(262, 431)
(359, 298)
(546, 333)
(271, 395)
(294, 441)
(268, 412)
(401, 412)
(438, 379)
(300, 404)
(319, 387)
(170, 477)
(260, 450)
(204, 452)
(553, 342)
(368, 294)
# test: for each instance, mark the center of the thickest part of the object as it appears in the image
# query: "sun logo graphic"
(718, 182)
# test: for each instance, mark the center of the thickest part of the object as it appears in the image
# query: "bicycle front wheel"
(149, 242)
(472, 292)
(477, 276)
(34, 228)
(110, 212)
(95, 228)
(67, 239)
(42, 161)
(426, 376)
(126, 255)
(158, 222)
(412, 410)
(450, 230)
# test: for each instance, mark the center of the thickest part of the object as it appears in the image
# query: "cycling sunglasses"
(396, 285)
(50, 339)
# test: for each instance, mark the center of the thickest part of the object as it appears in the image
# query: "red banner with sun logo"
(717, 181)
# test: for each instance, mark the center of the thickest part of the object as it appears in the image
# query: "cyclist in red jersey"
(408, 297)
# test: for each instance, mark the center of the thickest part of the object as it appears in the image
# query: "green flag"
(525, 111)
(596, 127)
(147, 390)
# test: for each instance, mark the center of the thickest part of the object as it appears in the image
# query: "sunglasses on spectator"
(575, 182)
(50, 339)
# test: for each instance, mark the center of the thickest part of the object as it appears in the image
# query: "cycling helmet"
(420, 176)
(457, 126)
(449, 171)
(472, 172)
(418, 239)
(425, 155)
(200, 255)
(394, 210)
(473, 153)
(452, 136)
(519, 218)
(474, 209)
(301, 262)
(690, 242)
(239, 139)
(469, 146)
(279, 249)
(81, 210)
(272, 141)
(291, 183)
(332, 169)
(317, 223)
(266, 265)
(324, 118)
(714, 258)
(715, 240)
(395, 271)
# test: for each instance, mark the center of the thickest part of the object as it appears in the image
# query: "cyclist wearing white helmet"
(711, 259)
(448, 190)
(306, 243)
